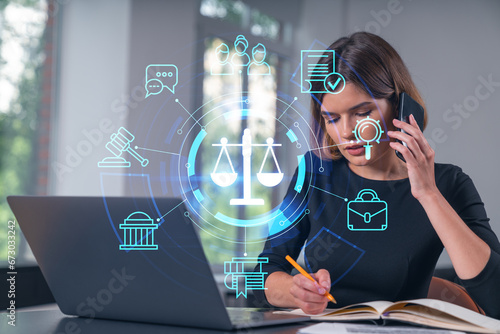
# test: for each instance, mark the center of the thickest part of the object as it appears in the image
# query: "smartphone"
(408, 106)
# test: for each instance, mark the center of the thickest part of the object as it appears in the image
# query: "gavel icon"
(120, 142)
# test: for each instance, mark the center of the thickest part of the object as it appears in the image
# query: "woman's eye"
(331, 120)
(366, 113)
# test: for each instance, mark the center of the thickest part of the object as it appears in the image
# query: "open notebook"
(428, 312)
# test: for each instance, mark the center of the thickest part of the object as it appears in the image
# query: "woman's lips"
(355, 150)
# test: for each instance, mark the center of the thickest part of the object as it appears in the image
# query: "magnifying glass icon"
(368, 130)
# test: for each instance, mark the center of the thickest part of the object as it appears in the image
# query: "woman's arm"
(284, 290)
(468, 252)
(277, 291)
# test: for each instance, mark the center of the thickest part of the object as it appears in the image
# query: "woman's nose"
(346, 129)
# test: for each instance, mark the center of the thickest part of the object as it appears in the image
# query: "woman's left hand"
(419, 157)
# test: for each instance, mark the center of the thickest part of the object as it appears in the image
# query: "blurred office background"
(72, 71)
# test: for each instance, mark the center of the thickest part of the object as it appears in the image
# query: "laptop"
(135, 259)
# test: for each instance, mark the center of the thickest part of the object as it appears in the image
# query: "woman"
(429, 205)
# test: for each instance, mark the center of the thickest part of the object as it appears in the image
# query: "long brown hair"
(372, 65)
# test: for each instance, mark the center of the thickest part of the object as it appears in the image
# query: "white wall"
(162, 32)
(104, 50)
(448, 45)
(94, 51)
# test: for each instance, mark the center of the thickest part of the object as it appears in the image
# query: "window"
(262, 92)
(264, 26)
(22, 25)
(228, 10)
(215, 86)
(241, 15)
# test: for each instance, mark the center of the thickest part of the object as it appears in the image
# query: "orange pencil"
(306, 274)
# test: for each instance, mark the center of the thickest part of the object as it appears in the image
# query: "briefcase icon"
(365, 213)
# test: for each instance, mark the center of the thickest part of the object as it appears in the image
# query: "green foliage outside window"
(18, 122)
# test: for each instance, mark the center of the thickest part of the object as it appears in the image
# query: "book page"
(420, 320)
(454, 310)
(375, 307)
(426, 313)
(298, 311)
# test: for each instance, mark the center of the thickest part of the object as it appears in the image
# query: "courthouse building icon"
(138, 232)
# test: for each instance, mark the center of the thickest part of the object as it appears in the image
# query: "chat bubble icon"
(153, 87)
(159, 76)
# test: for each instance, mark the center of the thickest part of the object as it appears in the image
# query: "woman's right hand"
(309, 295)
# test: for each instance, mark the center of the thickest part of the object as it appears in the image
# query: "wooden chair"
(447, 291)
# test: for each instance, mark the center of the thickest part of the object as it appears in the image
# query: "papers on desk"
(340, 328)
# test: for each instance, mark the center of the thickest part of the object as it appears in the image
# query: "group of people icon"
(258, 65)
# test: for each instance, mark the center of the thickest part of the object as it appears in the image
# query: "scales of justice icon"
(225, 179)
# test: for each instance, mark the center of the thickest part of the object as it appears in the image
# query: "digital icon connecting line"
(242, 275)
(225, 179)
(368, 130)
